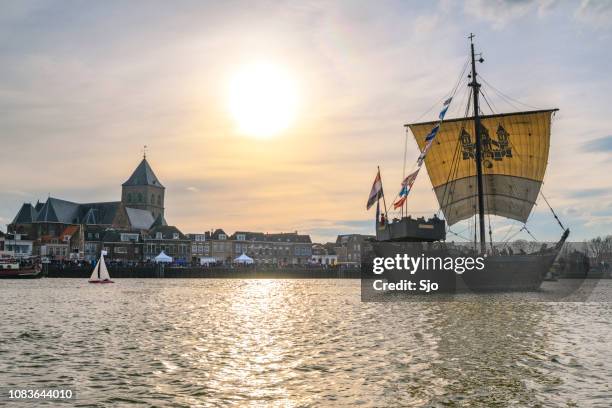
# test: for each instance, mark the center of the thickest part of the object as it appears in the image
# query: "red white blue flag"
(376, 192)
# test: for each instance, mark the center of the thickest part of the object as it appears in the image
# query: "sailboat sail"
(103, 270)
(100, 272)
(515, 154)
(95, 274)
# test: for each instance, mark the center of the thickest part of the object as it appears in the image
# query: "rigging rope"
(553, 211)
(507, 98)
(452, 95)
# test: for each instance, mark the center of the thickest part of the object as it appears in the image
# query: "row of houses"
(85, 242)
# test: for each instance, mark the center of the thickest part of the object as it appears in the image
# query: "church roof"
(98, 213)
(56, 210)
(139, 219)
(143, 176)
(160, 221)
(26, 214)
(67, 212)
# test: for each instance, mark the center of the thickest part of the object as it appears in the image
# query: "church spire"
(143, 175)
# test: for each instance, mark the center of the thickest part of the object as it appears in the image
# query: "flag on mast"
(406, 187)
(376, 193)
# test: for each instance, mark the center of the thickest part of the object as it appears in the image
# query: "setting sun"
(262, 100)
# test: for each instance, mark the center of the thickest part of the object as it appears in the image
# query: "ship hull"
(516, 273)
(21, 274)
(500, 273)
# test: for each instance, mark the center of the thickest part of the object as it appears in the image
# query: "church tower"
(143, 190)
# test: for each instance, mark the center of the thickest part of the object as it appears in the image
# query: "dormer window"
(158, 235)
(240, 237)
(175, 235)
(222, 237)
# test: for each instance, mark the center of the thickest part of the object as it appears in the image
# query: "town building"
(273, 249)
(18, 245)
(122, 245)
(218, 247)
(324, 254)
(168, 239)
(197, 246)
(348, 248)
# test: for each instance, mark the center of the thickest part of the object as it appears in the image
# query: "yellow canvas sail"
(515, 154)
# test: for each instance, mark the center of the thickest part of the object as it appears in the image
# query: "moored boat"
(14, 269)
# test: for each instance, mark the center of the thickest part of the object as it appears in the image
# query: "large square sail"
(515, 154)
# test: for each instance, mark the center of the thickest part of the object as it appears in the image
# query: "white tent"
(207, 260)
(244, 259)
(162, 257)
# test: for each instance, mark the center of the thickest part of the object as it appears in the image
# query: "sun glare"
(262, 100)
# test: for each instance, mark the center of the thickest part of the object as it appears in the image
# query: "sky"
(85, 85)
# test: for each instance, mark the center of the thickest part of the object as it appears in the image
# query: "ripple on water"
(298, 343)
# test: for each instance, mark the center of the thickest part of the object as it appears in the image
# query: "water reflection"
(298, 343)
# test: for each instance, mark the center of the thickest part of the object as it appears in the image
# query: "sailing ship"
(100, 272)
(478, 165)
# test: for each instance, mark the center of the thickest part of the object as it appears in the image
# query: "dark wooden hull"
(510, 273)
(21, 274)
(500, 274)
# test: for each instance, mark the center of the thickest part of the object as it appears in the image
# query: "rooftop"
(143, 176)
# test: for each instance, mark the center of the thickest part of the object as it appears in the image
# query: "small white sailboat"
(100, 272)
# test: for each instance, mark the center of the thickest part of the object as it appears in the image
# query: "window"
(240, 237)
(158, 235)
(129, 197)
(175, 235)
(125, 237)
(152, 198)
(140, 197)
(120, 250)
(222, 236)
(159, 200)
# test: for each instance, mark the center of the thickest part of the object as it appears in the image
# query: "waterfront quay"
(218, 272)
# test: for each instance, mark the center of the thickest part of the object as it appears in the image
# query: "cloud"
(92, 84)
(501, 12)
(589, 193)
(601, 145)
(597, 13)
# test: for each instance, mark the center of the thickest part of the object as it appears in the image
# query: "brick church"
(60, 227)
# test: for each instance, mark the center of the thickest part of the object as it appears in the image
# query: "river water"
(297, 343)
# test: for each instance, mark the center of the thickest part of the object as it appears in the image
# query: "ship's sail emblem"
(491, 149)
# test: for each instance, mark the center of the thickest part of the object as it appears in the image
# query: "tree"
(523, 245)
(599, 248)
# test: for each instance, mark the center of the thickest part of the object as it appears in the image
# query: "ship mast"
(475, 91)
